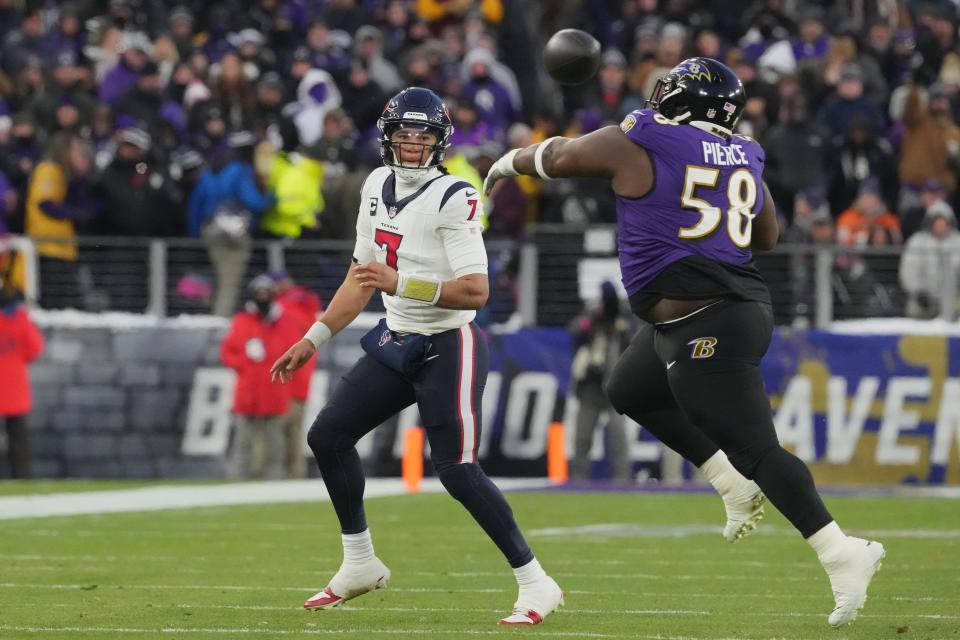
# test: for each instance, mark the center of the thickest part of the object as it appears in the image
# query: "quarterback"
(691, 208)
(419, 242)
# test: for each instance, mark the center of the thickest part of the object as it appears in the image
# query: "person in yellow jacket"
(459, 165)
(58, 195)
(449, 10)
(296, 179)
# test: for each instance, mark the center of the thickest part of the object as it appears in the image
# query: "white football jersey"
(435, 232)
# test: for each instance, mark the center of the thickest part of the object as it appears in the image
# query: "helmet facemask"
(660, 100)
(392, 151)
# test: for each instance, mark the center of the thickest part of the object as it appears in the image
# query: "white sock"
(357, 547)
(828, 542)
(721, 474)
(529, 573)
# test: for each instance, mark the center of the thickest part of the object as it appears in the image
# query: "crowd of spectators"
(230, 120)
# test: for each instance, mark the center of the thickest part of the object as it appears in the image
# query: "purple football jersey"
(707, 189)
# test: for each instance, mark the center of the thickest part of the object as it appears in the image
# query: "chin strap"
(412, 178)
(410, 174)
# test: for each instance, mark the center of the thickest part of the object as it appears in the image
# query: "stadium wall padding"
(153, 401)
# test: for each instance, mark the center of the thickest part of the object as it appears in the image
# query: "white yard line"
(539, 632)
(189, 496)
(96, 562)
(500, 611)
(328, 632)
(602, 530)
(218, 587)
(458, 589)
(568, 609)
(615, 576)
(367, 632)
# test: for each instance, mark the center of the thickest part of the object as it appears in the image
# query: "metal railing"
(809, 284)
(19, 248)
(173, 276)
(542, 280)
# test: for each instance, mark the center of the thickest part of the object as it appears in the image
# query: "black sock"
(343, 475)
(472, 488)
(673, 429)
(787, 482)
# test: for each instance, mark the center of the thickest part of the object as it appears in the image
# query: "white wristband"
(505, 163)
(318, 334)
(538, 157)
(418, 288)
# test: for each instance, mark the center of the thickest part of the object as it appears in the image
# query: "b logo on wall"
(860, 409)
(209, 416)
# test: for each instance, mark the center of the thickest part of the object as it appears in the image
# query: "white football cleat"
(744, 511)
(350, 582)
(535, 602)
(850, 575)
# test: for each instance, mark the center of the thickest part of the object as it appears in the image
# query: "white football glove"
(502, 168)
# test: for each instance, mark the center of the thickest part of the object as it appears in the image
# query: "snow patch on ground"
(189, 496)
(117, 320)
(896, 327)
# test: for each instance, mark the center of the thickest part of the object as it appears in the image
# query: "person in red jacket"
(258, 335)
(20, 344)
(305, 305)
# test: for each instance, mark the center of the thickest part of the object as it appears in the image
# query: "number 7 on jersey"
(390, 242)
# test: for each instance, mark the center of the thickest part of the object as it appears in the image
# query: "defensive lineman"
(419, 242)
(691, 205)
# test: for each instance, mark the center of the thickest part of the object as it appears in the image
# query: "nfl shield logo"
(384, 338)
(392, 212)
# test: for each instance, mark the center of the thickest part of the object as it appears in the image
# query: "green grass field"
(243, 572)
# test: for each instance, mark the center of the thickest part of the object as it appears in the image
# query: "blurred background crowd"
(230, 121)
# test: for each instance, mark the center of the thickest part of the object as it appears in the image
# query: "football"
(571, 56)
